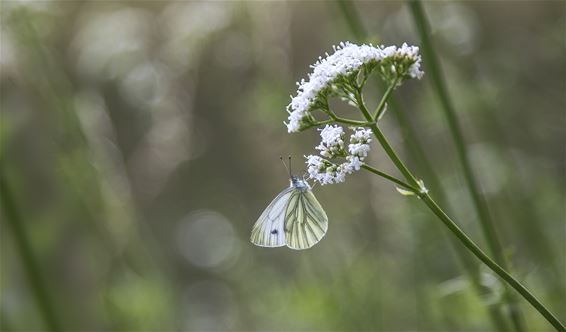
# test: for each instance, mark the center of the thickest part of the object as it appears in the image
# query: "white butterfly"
(294, 218)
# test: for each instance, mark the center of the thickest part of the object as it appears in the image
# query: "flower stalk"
(459, 233)
(469, 243)
(338, 75)
(390, 178)
(383, 103)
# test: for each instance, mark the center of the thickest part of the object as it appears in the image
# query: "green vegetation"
(140, 141)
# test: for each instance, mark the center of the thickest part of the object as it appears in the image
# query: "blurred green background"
(140, 141)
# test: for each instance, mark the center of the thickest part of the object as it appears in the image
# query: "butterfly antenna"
(290, 174)
(287, 168)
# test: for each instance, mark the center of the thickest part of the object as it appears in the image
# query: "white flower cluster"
(359, 146)
(347, 59)
(332, 145)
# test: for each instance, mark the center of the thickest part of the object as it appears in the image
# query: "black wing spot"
(274, 231)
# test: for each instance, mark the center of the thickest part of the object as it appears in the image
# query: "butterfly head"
(295, 182)
(298, 183)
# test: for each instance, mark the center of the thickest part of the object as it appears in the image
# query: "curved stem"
(383, 141)
(349, 121)
(323, 122)
(463, 237)
(381, 107)
(475, 249)
(390, 178)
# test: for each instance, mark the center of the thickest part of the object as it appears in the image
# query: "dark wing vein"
(305, 220)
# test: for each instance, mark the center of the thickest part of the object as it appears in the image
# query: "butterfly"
(294, 218)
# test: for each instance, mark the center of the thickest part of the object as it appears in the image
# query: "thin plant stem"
(413, 144)
(388, 149)
(491, 263)
(468, 243)
(381, 107)
(347, 121)
(451, 225)
(470, 266)
(31, 267)
(474, 248)
(486, 222)
(495, 314)
(390, 178)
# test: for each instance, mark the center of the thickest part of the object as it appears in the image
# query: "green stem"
(416, 151)
(323, 122)
(29, 262)
(381, 107)
(349, 121)
(381, 138)
(491, 263)
(336, 118)
(390, 178)
(480, 204)
(453, 227)
(467, 241)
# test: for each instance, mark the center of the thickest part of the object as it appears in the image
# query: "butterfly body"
(294, 218)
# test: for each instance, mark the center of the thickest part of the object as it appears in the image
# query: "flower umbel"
(346, 70)
(331, 146)
(344, 74)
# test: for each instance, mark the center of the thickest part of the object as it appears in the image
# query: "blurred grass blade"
(352, 19)
(15, 222)
(412, 144)
(487, 226)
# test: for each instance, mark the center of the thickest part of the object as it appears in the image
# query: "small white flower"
(299, 121)
(415, 70)
(355, 162)
(332, 143)
(411, 54)
(294, 120)
(359, 143)
(332, 135)
(359, 150)
(315, 165)
(361, 135)
(324, 171)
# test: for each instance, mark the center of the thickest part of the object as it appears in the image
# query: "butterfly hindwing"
(305, 220)
(268, 230)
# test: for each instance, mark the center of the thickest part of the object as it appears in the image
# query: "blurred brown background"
(140, 141)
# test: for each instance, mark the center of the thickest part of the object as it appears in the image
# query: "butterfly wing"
(305, 220)
(268, 229)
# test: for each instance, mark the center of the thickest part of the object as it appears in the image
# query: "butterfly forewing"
(268, 230)
(305, 220)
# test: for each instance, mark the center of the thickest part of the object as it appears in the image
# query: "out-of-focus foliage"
(140, 141)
